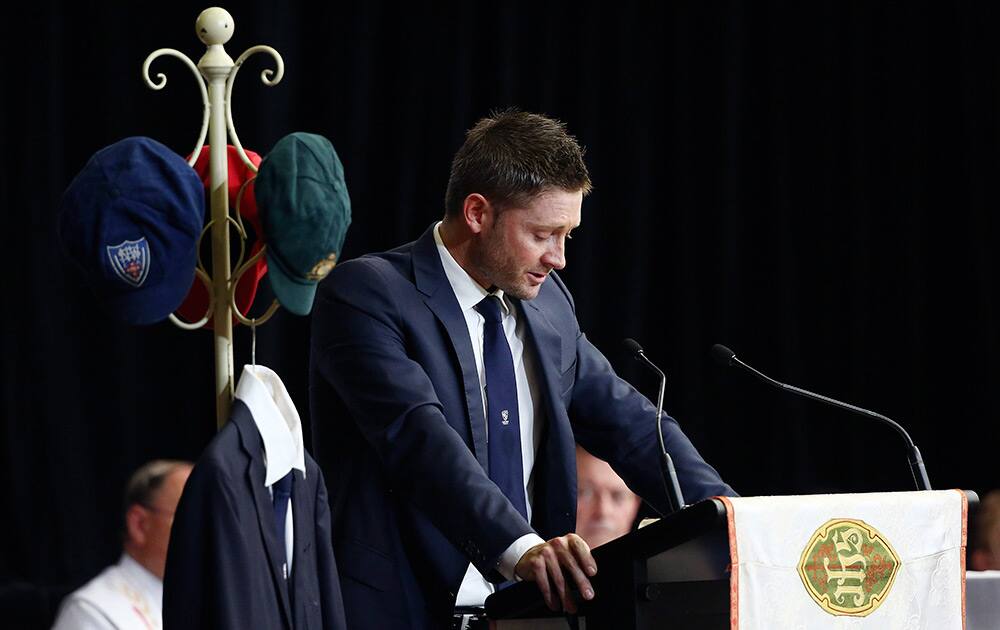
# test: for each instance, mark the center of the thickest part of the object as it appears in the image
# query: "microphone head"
(633, 347)
(723, 355)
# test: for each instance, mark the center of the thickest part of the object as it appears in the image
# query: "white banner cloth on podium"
(879, 560)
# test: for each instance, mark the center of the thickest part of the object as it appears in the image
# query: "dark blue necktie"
(282, 493)
(504, 441)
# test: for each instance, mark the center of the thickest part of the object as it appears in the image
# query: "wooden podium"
(676, 568)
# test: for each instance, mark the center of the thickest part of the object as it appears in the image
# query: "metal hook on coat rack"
(215, 74)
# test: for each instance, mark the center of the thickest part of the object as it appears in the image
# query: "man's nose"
(604, 504)
(555, 256)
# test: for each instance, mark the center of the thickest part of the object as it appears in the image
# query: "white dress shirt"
(124, 596)
(280, 428)
(475, 588)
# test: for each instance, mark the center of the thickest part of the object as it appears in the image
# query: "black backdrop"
(813, 184)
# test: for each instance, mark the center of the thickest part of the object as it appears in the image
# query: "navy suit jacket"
(398, 426)
(224, 561)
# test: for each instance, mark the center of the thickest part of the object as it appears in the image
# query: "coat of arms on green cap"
(848, 567)
(323, 267)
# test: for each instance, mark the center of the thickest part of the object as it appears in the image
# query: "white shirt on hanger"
(280, 428)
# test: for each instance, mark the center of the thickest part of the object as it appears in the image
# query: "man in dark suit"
(450, 382)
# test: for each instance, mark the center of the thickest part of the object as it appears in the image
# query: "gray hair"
(144, 484)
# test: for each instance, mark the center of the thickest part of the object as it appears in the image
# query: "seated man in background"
(605, 507)
(129, 594)
(984, 535)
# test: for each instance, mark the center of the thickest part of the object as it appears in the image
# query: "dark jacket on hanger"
(224, 562)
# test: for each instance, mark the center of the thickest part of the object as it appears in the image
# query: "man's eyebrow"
(553, 226)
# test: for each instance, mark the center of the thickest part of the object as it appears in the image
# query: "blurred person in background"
(605, 507)
(984, 541)
(129, 593)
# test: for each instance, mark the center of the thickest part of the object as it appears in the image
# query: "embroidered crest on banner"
(848, 567)
(130, 260)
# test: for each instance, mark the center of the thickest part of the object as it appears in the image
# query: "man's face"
(519, 247)
(605, 507)
(160, 518)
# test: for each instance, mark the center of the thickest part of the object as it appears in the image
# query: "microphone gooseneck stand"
(670, 484)
(728, 358)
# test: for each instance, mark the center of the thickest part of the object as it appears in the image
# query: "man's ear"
(477, 212)
(136, 523)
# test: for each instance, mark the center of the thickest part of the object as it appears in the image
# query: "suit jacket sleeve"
(361, 349)
(616, 423)
(206, 558)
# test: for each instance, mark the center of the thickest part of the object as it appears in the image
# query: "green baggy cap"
(305, 212)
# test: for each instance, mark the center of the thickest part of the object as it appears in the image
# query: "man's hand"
(544, 565)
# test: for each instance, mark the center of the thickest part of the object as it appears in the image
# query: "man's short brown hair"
(510, 157)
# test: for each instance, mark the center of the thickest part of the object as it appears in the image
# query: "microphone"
(667, 472)
(728, 358)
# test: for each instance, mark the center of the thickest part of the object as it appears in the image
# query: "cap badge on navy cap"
(130, 260)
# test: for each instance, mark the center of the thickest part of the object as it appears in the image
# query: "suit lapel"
(255, 474)
(555, 465)
(440, 299)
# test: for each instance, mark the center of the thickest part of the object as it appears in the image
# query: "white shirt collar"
(467, 291)
(140, 577)
(276, 419)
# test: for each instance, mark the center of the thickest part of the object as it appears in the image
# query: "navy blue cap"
(130, 220)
